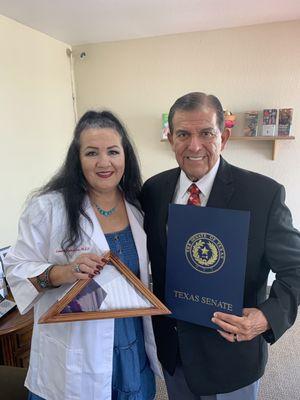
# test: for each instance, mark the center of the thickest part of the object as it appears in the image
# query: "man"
(199, 362)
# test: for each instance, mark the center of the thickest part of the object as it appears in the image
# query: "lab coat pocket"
(60, 369)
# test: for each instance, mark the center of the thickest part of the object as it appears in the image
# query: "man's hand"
(238, 329)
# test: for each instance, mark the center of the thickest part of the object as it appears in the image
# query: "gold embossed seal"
(205, 252)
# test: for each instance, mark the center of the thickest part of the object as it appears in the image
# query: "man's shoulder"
(253, 183)
(251, 177)
(162, 178)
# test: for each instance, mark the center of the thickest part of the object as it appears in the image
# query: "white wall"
(36, 114)
(248, 68)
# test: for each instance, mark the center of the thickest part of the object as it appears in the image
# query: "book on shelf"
(269, 122)
(285, 121)
(251, 123)
(165, 126)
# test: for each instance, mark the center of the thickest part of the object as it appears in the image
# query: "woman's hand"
(85, 266)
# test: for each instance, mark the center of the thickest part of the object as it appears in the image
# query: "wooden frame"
(54, 314)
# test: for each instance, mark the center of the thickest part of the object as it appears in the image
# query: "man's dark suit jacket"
(211, 364)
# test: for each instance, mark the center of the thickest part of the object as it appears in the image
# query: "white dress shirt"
(205, 185)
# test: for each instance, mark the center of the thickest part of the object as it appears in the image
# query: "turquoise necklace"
(105, 213)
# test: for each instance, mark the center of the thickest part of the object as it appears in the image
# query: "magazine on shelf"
(165, 127)
(251, 123)
(269, 122)
(285, 121)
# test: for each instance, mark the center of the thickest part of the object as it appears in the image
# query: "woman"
(89, 207)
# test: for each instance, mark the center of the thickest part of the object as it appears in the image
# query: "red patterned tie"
(194, 197)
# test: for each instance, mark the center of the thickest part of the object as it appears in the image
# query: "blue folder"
(206, 262)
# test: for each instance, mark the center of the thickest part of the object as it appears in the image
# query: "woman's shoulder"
(51, 199)
(42, 205)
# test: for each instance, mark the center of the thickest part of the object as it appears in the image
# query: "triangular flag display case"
(115, 293)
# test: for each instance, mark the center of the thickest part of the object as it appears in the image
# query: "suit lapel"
(167, 195)
(223, 187)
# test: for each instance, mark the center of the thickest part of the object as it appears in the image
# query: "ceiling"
(92, 21)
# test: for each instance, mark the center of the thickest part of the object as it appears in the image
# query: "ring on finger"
(235, 337)
(76, 268)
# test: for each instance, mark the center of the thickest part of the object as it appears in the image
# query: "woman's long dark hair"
(71, 183)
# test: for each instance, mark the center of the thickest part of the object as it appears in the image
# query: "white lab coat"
(73, 360)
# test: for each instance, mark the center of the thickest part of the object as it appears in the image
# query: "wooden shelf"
(274, 139)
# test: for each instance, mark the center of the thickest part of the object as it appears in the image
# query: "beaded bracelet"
(43, 280)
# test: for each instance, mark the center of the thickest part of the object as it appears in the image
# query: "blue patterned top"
(132, 377)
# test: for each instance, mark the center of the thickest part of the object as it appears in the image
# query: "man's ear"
(225, 136)
(170, 139)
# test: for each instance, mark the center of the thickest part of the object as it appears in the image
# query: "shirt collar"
(205, 183)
